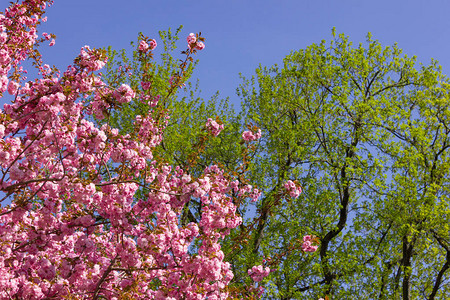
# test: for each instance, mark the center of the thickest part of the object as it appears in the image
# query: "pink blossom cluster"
(124, 94)
(307, 245)
(249, 136)
(193, 43)
(257, 273)
(48, 37)
(146, 85)
(144, 46)
(13, 87)
(18, 37)
(293, 190)
(213, 127)
(248, 191)
(104, 96)
(93, 59)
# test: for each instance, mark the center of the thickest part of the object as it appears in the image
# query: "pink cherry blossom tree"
(71, 225)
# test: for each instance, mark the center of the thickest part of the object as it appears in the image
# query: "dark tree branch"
(444, 268)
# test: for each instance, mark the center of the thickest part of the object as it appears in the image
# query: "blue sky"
(242, 34)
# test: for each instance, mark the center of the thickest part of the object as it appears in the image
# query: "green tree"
(367, 135)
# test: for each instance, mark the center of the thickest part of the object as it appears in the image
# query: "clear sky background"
(240, 35)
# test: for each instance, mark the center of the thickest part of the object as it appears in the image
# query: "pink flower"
(248, 136)
(153, 44)
(199, 46)
(255, 195)
(3, 83)
(46, 36)
(93, 59)
(143, 46)
(146, 85)
(52, 42)
(257, 273)
(4, 56)
(191, 39)
(258, 134)
(12, 87)
(307, 245)
(46, 270)
(292, 189)
(124, 93)
(294, 194)
(213, 127)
